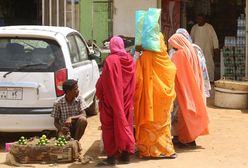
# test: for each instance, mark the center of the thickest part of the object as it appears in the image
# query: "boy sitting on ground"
(69, 115)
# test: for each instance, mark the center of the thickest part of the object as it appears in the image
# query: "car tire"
(93, 109)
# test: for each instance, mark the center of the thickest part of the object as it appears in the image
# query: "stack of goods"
(44, 150)
(240, 62)
(229, 55)
(234, 53)
(240, 48)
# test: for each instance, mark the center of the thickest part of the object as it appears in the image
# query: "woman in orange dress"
(154, 96)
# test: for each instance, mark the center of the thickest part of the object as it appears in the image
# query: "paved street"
(225, 147)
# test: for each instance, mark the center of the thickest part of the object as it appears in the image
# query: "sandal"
(173, 156)
(110, 161)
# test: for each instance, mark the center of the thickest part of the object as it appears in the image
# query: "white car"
(34, 62)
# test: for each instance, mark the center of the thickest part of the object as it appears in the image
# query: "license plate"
(11, 93)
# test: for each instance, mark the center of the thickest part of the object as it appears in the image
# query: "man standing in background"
(204, 36)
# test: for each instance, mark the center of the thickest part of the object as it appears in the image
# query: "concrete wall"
(124, 15)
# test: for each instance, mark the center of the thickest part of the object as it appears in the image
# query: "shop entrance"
(228, 20)
(40, 12)
(222, 14)
(16, 12)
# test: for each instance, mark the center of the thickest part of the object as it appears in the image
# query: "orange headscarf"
(180, 42)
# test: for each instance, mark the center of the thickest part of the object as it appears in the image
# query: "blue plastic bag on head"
(150, 38)
(139, 21)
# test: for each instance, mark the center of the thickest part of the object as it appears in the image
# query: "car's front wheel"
(93, 109)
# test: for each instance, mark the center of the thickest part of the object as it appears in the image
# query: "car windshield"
(18, 52)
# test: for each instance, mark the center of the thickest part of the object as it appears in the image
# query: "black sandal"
(173, 156)
(110, 161)
(124, 157)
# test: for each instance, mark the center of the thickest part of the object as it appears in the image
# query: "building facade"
(100, 19)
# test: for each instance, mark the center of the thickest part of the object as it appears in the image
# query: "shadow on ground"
(93, 153)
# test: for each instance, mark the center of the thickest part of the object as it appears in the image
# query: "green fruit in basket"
(22, 137)
(43, 136)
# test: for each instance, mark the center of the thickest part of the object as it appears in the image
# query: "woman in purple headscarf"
(115, 91)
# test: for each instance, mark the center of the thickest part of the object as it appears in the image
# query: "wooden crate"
(50, 153)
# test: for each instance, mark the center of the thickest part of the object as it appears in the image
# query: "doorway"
(102, 21)
(16, 12)
(221, 14)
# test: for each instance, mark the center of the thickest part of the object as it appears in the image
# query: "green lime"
(44, 136)
(22, 137)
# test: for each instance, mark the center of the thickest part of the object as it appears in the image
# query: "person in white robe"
(203, 34)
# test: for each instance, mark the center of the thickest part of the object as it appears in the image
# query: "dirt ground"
(225, 147)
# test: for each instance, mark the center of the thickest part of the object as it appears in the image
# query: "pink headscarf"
(116, 46)
(115, 91)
